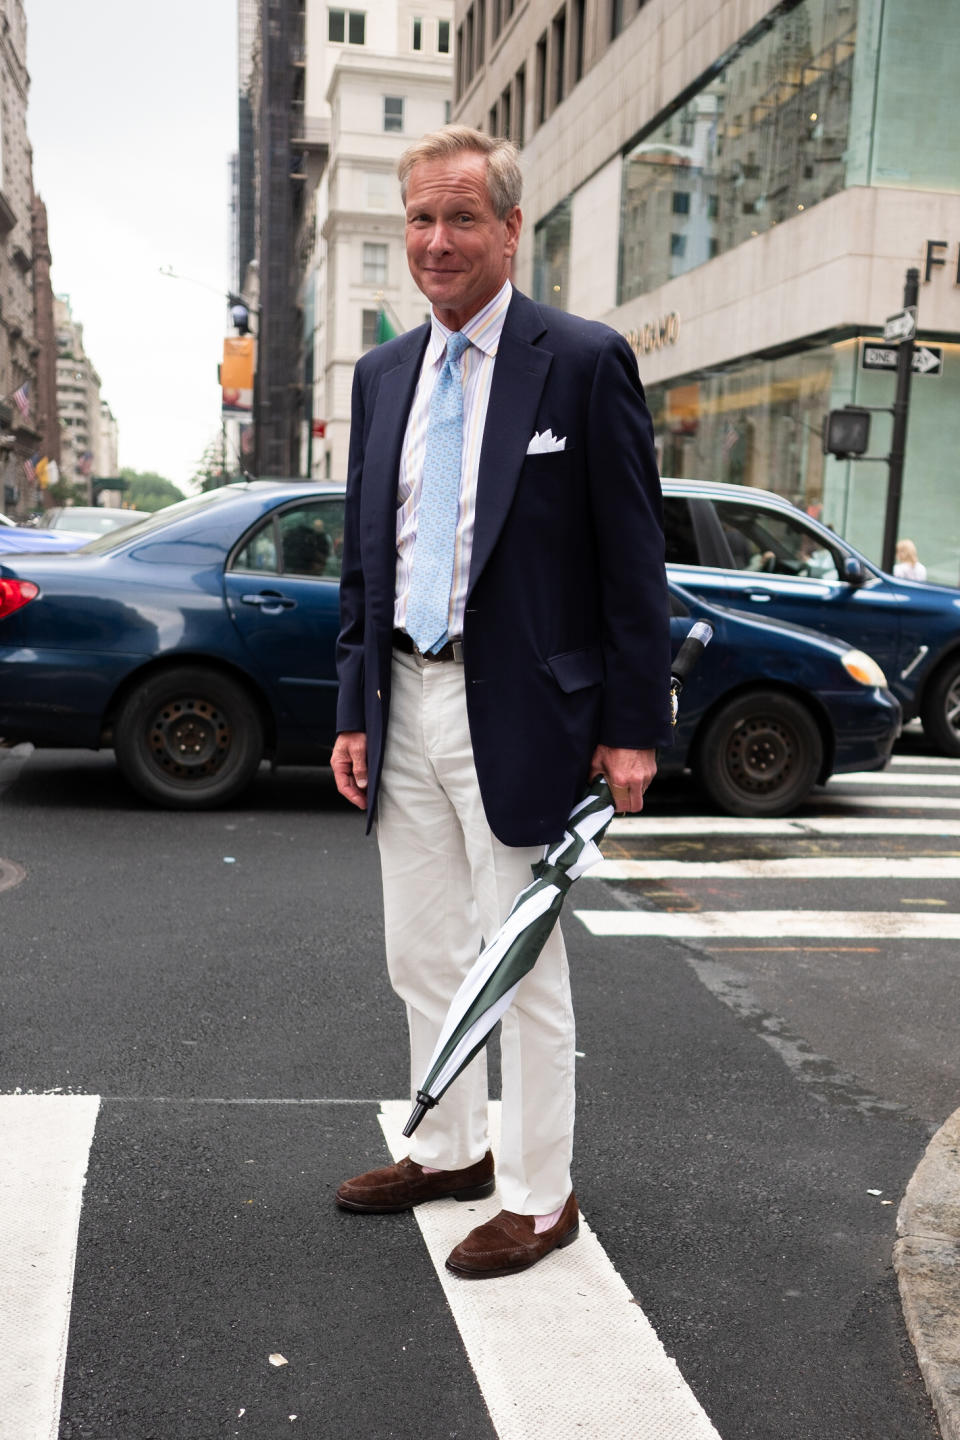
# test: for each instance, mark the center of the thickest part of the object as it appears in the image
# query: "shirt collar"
(483, 329)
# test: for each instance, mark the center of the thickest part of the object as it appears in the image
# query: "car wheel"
(941, 709)
(760, 754)
(189, 739)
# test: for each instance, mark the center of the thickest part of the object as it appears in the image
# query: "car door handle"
(270, 602)
(760, 595)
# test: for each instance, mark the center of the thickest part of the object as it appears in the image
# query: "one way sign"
(927, 359)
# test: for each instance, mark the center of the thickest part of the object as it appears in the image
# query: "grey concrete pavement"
(927, 1260)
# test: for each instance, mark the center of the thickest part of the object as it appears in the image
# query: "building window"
(579, 30)
(460, 67)
(481, 34)
(417, 43)
(374, 263)
(468, 52)
(616, 18)
(520, 107)
(393, 113)
(368, 337)
(496, 21)
(505, 126)
(559, 55)
(551, 257)
(492, 121)
(748, 166)
(447, 111)
(443, 37)
(540, 98)
(346, 25)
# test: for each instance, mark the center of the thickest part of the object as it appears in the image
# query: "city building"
(78, 403)
(46, 417)
(329, 98)
(740, 187)
(19, 437)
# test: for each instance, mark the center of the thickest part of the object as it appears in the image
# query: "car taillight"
(14, 594)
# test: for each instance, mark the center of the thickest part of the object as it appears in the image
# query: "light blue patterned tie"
(428, 603)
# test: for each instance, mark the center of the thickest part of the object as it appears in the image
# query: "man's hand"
(627, 772)
(349, 765)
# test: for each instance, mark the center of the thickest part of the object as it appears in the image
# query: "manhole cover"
(10, 874)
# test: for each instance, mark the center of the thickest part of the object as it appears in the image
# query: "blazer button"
(378, 694)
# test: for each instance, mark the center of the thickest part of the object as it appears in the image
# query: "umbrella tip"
(424, 1103)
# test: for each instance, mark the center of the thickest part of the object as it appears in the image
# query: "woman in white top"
(908, 567)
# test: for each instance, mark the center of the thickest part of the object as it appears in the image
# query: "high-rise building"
(78, 401)
(740, 187)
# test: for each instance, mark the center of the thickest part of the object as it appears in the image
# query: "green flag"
(385, 330)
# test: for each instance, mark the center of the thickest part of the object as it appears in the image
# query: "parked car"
(89, 519)
(755, 551)
(25, 537)
(203, 640)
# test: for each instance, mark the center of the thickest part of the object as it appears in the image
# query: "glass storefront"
(551, 257)
(764, 139)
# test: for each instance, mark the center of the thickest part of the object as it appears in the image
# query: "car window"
(306, 539)
(678, 528)
(775, 544)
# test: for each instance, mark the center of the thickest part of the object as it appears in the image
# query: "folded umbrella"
(491, 983)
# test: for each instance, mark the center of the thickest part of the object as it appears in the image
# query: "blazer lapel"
(519, 376)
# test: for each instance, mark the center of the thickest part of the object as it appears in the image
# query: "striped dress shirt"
(476, 372)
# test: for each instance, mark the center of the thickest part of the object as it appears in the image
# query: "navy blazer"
(566, 631)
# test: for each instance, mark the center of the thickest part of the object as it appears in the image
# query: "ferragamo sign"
(655, 336)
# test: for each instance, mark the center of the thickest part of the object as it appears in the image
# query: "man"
(504, 637)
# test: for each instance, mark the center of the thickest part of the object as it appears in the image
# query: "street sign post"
(927, 359)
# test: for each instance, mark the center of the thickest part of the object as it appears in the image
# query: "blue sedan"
(202, 640)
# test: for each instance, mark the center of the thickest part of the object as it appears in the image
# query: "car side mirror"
(853, 571)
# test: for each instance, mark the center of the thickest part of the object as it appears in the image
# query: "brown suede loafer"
(401, 1186)
(509, 1243)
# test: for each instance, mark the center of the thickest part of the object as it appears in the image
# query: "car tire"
(941, 709)
(189, 738)
(760, 754)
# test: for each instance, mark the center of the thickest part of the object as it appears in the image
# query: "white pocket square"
(546, 443)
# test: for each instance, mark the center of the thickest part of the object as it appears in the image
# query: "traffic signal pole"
(898, 441)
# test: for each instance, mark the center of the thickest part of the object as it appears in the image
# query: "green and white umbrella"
(491, 984)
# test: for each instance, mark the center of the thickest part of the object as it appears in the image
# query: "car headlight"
(864, 668)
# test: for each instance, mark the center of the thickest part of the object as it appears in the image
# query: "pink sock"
(546, 1222)
(430, 1170)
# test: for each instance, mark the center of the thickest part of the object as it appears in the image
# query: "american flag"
(21, 398)
(30, 467)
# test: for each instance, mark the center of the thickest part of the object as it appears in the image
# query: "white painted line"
(884, 778)
(641, 825)
(943, 761)
(819, 867)
(564, 1349)
(45, 1141)
(762, 924)
(890, 802)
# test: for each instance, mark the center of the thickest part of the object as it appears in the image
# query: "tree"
(147, 491)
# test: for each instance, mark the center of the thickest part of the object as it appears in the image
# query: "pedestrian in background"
(908, 566)
(505, 635)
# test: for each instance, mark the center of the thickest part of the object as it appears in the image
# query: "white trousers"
(447, 882)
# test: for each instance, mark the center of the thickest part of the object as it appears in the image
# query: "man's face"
(458, 251)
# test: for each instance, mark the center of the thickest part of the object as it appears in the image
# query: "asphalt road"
(218, 980)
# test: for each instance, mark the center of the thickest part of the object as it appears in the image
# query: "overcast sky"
(132, 116)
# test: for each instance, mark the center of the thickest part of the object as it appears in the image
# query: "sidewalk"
(927, 1261)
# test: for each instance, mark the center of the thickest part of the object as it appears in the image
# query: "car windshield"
(158, 520)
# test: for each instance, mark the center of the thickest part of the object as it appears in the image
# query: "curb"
(926, 1257)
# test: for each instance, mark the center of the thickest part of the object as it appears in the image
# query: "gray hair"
(504, 179)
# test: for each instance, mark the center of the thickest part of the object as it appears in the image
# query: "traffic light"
(846, 432)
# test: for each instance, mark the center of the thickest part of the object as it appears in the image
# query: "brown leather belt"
(453, 650)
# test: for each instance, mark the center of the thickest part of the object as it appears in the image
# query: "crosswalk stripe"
(45, 1141)
(650, 825)
(564, 1350)
(797, 924)
(912, 761)
(834, 867)
(835, 799)
(884, 778)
